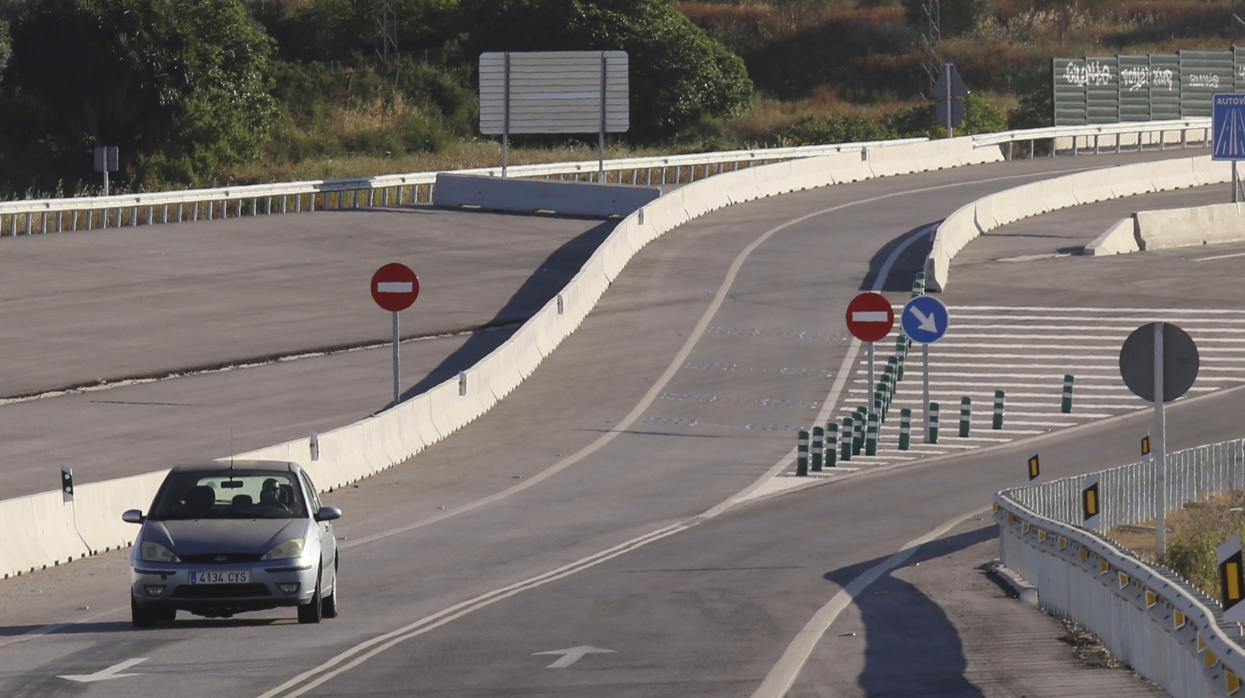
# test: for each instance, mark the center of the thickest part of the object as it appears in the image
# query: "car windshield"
(240, 494)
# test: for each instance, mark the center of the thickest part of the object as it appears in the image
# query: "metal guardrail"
(42, 216)
(1044, 540)
(1095, 134)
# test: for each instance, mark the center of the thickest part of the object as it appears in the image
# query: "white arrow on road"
(571, 655)
(106, 674)
(926, 322)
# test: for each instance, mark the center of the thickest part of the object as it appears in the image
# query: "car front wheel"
(312, 611)
(143, 617)
(328, 606)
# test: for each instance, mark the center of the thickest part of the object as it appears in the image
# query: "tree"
(6, 48)
(678, 74)
(180, 85)
(955, 17)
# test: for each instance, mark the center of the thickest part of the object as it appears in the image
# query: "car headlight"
(288, 549)
(154, 552)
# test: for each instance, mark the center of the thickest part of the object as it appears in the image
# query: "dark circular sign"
(395, 287)
(1180, 361)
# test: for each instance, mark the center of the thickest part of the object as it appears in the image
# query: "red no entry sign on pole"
(870, 317)
(395, 287)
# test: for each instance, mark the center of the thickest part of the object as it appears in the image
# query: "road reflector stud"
(1209, 659)
(994, 506)
(1178, 620)
(1123, 578)
(1231, 579)
(1063, 542)
(1201, 644)
(1103, 566)
(1035, 469)
(1041, 536)
(1152, 599)
(1145, 445)
(1231, 682)
(1082, 552)
(1011, 518)
(1025, 526)
(1091, 502)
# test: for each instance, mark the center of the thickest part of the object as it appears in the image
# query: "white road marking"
(394, 287)
(106, 674)
(869, 316)
(783, 674)
(570, 655)
(1218, 256)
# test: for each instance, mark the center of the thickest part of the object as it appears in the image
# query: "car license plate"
(220, 577)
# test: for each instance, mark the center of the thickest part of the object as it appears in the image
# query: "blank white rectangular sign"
(554, 92)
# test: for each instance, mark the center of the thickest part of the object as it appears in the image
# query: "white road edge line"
(783, 674)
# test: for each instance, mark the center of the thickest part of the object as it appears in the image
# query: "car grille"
(220, 591)
(212, 558)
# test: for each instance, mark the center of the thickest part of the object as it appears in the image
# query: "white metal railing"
(1150, 617)
(1128, 492)
(1100, 135)
(42, 216)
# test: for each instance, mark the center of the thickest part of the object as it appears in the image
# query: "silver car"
(229, 537)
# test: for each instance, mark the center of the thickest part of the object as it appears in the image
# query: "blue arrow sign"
(925, 319)
(1228, 127)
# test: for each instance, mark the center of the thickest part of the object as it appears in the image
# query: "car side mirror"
(328, 514)
(134, 516)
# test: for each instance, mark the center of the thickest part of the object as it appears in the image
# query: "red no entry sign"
(395, 287)
(870, 317)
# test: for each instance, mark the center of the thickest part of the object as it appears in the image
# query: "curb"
(1025, 591)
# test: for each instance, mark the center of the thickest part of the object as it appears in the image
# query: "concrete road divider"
(532, 195)
(1120, 238)
(1186, 227)
(999, 209)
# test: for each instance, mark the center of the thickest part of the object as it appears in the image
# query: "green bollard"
(801, 454)
(832, 442)
(933, 422)
(905, 429)
(1065, 405)
(818, 436)
(966, 415)
(871, 440)
(858, 430)
(848, 429)
(998, 410)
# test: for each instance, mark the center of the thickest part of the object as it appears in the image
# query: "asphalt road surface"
(629, 547)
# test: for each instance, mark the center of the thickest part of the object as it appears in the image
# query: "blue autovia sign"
(925, 319)
(1228, 126)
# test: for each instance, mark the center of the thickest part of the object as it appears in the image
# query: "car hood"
(200, 536)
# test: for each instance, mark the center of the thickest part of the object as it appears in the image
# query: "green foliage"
(980, 116)
(679, 74)
(180, 85)
(345, 30)
(1034, 111)
(1194, 557)
(6, 46)
(835, 128)
(956, 17)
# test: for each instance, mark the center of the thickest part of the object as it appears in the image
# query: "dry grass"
(1193, 534)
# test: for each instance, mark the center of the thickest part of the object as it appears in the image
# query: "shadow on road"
(899, 280)
(912, 646)
(544, 282)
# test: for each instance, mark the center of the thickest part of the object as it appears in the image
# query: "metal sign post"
(107, 159)
(1160, 448)
(925, 392)
(505, 129)
(397, 362)
(601, 131)
(871, 383)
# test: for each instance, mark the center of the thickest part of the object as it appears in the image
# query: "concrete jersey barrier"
(966, 223)
(42, 530)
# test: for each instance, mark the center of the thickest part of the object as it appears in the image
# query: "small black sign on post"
(107, 159)
(1159, 362)
(950, 91)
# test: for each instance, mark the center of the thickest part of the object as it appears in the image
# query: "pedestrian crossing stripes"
(1026, 352)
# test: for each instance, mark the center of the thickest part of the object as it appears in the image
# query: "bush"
(980, 116)
(836, 128)
(1194, 557)
(955, 16)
